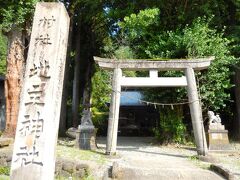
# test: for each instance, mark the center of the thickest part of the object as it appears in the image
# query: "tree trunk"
(13, 81)
(89, 71)
(63, 115)
(76, 82)
(237, 100)
(87, 87)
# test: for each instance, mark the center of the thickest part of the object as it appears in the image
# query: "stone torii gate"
(153, 66)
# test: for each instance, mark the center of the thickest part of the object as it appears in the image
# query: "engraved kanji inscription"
(46, 22)
(36, 94)
(27, 156)
(41, 69)
(43, 39)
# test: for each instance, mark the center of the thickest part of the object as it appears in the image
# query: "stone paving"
(137, 158)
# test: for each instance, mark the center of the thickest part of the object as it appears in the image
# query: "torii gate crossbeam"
(153, 66)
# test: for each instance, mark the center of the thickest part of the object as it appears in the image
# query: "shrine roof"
(146, 64)
(131, 98)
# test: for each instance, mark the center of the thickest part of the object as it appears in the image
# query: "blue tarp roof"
(131, 98)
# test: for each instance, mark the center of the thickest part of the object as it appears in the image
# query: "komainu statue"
(86, 119)
(215, 121)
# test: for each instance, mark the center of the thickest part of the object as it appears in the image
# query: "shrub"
(171, 127)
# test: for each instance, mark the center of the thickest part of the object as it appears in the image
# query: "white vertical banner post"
(40, 104)
(114, 112)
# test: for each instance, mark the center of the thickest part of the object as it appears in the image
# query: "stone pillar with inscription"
(40, 102)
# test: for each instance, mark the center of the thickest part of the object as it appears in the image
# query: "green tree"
(16, 13)
(198, 39)
(15, 18)
(192, 41)
(3, 53)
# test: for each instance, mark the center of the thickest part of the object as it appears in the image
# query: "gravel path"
(139, 159)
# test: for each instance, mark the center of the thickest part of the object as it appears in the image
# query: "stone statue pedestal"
(218, 139)
(217, 135)
(85, 137)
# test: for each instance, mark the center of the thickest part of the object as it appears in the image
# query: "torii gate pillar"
(114, 113)
(154, 81)
(196, 113)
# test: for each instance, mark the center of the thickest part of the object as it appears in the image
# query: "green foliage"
(124, 52)
(16, 13)
(137, 24)
(165, 45)
(192, 41)
(200, 40)
(5, 170)
(101, 89)
(99, 120)
(171, 127)
(3, 53)
(215, 84)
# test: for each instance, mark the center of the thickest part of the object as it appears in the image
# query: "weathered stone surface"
(85, 138)
(5, 157)
(196, 113)
(86, 120)
(5, 141)
(79, 174)
(217, 135)
(215, 122)
(117, 171)
(223, 171)
(65, 174)
(71, 132)
(114, 113)
(68, 166)
(122, 171)
(9, 158)
(218, 140)
(82, 166)
(3, 161)
(208, 158)
(38, 119)
(58, 166)
(63, 167)
(217, 127)
(174, 64)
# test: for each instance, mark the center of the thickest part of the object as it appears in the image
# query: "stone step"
(124, 172)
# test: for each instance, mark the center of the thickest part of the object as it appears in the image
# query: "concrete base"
(85, 138)
(218, 140)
